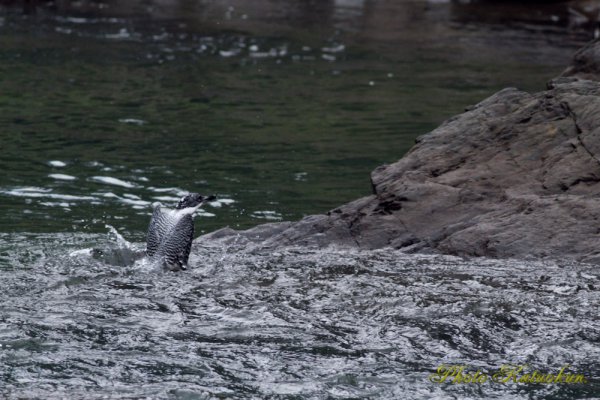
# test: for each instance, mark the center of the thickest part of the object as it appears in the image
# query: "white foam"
(62, 177)
(133, 121)
(264, 54)
(75, 20)
(129, 199)
(107, 194)
(349, 3)
(82, 252)
(28, 192)
(229, 53)
(226, 201)
(218, 203)
(173, 190)
(66, 31)
(139, 204)
(166, 198)
(109, 180)
(334, 49)
(300, 176)
(266, 214)
(123, 34)
(57, 163)
(55, 204)
(33, 189)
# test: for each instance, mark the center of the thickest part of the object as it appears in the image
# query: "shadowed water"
(297, 323)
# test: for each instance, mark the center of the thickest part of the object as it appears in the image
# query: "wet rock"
(517, 175)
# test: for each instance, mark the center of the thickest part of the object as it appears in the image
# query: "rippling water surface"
(83, 316)
(281, 108)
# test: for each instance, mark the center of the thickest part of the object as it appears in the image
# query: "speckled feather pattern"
(170, 236)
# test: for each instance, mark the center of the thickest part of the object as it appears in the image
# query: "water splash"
(118, 238)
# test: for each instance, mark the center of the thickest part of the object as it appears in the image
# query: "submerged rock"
(516, 175)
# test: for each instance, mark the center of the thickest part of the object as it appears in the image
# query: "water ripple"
(80, 315)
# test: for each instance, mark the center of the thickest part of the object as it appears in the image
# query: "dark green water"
(281, 107)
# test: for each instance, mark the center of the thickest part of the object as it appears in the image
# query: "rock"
(517, 175)
(586, 62)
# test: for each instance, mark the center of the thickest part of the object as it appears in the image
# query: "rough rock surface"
(586, 62)
(517, 175)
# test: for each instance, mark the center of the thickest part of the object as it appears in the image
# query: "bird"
(171, 232)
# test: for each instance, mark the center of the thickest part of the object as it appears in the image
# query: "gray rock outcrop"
(586, 62)
(517, 175)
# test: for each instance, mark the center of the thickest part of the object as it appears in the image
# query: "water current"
(83, 316)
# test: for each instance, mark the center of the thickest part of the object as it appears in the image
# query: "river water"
(281, 109)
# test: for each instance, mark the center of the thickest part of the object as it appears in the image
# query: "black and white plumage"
(171, 232)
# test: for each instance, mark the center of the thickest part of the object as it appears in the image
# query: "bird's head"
(193, 200)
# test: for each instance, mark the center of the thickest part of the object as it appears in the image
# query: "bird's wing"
(160, 224)
(177, 244)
